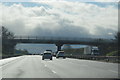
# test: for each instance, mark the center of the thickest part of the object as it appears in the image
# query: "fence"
(115, 59)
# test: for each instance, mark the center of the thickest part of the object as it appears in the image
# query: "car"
(47, 55)
(41, 53)
(49, 50)
(60, 54)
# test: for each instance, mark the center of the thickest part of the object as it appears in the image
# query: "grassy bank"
(113, 53)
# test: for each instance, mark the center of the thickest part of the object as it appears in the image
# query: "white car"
(47, 55)
(60, 54)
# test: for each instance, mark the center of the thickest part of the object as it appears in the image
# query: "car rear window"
(47, 53)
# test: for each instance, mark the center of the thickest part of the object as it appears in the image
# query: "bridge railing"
(64, 38)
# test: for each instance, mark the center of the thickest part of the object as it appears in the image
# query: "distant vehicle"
(60, 54)
(41, 53)
(95, 51)
(49, 50)
(91, 50)
(47, 55)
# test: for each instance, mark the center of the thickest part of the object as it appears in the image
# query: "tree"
(6, 34)
(7, 45)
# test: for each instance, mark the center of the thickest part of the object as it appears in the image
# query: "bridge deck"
(62, 40)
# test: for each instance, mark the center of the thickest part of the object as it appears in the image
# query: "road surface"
(32, 66)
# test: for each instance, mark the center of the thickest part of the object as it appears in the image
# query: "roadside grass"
(113, 53)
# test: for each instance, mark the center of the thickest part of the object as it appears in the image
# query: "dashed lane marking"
(45, 65)
(53, 71)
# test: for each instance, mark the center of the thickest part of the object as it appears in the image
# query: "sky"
(60, 0)
(61, 18)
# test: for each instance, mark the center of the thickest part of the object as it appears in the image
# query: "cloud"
(59, 0)
(107, 0)
(78, 0)
(64, 18)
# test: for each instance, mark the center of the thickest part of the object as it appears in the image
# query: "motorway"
(32, 66)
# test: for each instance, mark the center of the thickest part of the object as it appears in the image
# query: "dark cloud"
(66, 30)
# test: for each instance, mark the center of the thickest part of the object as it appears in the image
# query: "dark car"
(47, 55)
(49, 50)
(60, 54)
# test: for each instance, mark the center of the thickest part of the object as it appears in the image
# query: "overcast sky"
(66, 18)
(59, 0)
(63, 18)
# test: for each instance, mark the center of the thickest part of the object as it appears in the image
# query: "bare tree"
(7, 45)
(6, 34)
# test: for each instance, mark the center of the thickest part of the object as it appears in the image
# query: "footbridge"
(60, 41)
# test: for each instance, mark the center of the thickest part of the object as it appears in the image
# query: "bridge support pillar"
(59, 47)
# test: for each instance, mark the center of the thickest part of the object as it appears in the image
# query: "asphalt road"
(33, 66)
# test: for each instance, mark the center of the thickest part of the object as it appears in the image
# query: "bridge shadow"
(60, 58)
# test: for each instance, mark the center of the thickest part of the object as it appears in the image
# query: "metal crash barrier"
(115, 59)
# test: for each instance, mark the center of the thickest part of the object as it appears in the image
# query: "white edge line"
(53, 71)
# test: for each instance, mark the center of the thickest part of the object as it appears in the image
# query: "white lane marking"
(114, 71)
(53, 71)
(45, 65)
